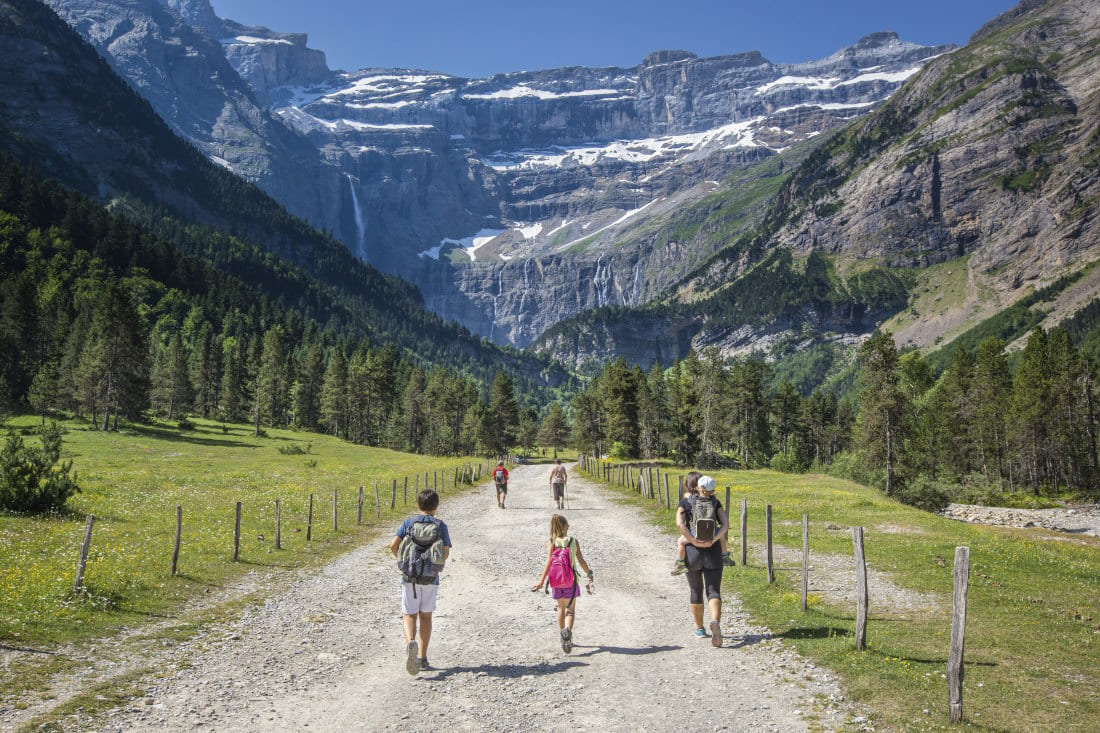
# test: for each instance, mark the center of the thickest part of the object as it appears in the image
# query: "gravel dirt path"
(327, 653)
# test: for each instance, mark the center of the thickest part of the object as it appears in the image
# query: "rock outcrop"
(990, 153)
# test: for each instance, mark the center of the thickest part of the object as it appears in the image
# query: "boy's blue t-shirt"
(444, 534)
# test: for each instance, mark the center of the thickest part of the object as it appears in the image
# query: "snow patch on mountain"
(630, 151)
(470, 244)
(522, 90)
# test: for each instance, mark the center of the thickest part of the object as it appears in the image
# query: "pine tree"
(554, 431)
(204, 371)
(412, 404)
(785, 411)
(528, 429)
(231, 402)
(588, 428)
(307, 394)
(114, 362)
(334, 395)
(1030, 403)
(504, 413)
(43, 392)
(882, 406)
(270, 395)
(992, 390)
(620, 385)
(171, 382)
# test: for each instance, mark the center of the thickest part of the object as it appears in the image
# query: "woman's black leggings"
(704, 579)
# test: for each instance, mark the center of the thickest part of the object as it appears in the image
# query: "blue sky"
(482, 37)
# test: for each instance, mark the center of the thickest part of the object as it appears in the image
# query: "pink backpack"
(561, 565)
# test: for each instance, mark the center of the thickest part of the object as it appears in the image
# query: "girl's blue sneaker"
(700, 633)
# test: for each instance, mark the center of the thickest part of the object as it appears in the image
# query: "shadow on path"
(631, 651)
(507, 671)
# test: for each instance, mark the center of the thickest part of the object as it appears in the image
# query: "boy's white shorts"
(424, 602)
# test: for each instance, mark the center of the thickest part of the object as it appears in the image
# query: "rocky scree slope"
(487, 193)
(988, 156)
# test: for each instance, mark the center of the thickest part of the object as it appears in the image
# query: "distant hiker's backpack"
(561, 564)
(421, 554)
(704, 518)
(500, 476)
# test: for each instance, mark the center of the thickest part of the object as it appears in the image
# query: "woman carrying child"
(562, 554)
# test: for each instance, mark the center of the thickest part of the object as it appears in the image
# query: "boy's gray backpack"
(421, 554)
(704, 518)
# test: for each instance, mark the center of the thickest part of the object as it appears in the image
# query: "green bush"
(786, 462)
(619, 451)
(852, 466)
(295, 449)
(923, 493)
(30, 479)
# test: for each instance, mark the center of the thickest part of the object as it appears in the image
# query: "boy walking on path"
(421, 545)
(558, 478)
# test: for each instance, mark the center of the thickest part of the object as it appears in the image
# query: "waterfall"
(360, 224)
(523, 296)
(500, 290)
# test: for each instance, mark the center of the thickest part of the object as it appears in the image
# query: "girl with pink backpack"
(563, 554)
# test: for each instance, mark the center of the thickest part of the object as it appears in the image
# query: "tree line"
(107, 319)
(925, 438)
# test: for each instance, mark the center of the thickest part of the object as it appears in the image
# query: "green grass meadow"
(1032, 657)
(132, 482)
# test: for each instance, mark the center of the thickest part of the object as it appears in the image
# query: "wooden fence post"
(82, 561)
(727, 506)
(681, 489)
(278, 526)
(805, 558)
(237, 534)
(744, 530)
(768, 540)
(179, 531)
(668, 498)
(309, 520)
(861, 589)
(406, 491)
(393, 496)
(359, 508)
(334, 505)
(377, 505)
(958, 634)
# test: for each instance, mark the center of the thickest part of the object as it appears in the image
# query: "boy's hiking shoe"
(566, 640)
(424, 666)
(700, 633)
(728, 561)
(412, 664)
(679, 568)
(715, 634)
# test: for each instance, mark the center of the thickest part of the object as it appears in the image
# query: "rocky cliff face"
(455, 183)
(987, 157)
(178, 63)
(467, 186)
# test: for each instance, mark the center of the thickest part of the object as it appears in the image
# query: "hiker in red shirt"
(500, 478)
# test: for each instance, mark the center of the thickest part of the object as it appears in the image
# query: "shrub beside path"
(326, 653)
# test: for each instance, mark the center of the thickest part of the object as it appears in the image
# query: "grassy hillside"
(1033, 614)
(132, 482)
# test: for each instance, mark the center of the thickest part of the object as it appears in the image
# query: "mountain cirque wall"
(409, 168)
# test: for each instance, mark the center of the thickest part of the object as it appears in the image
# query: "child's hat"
(706, 483)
